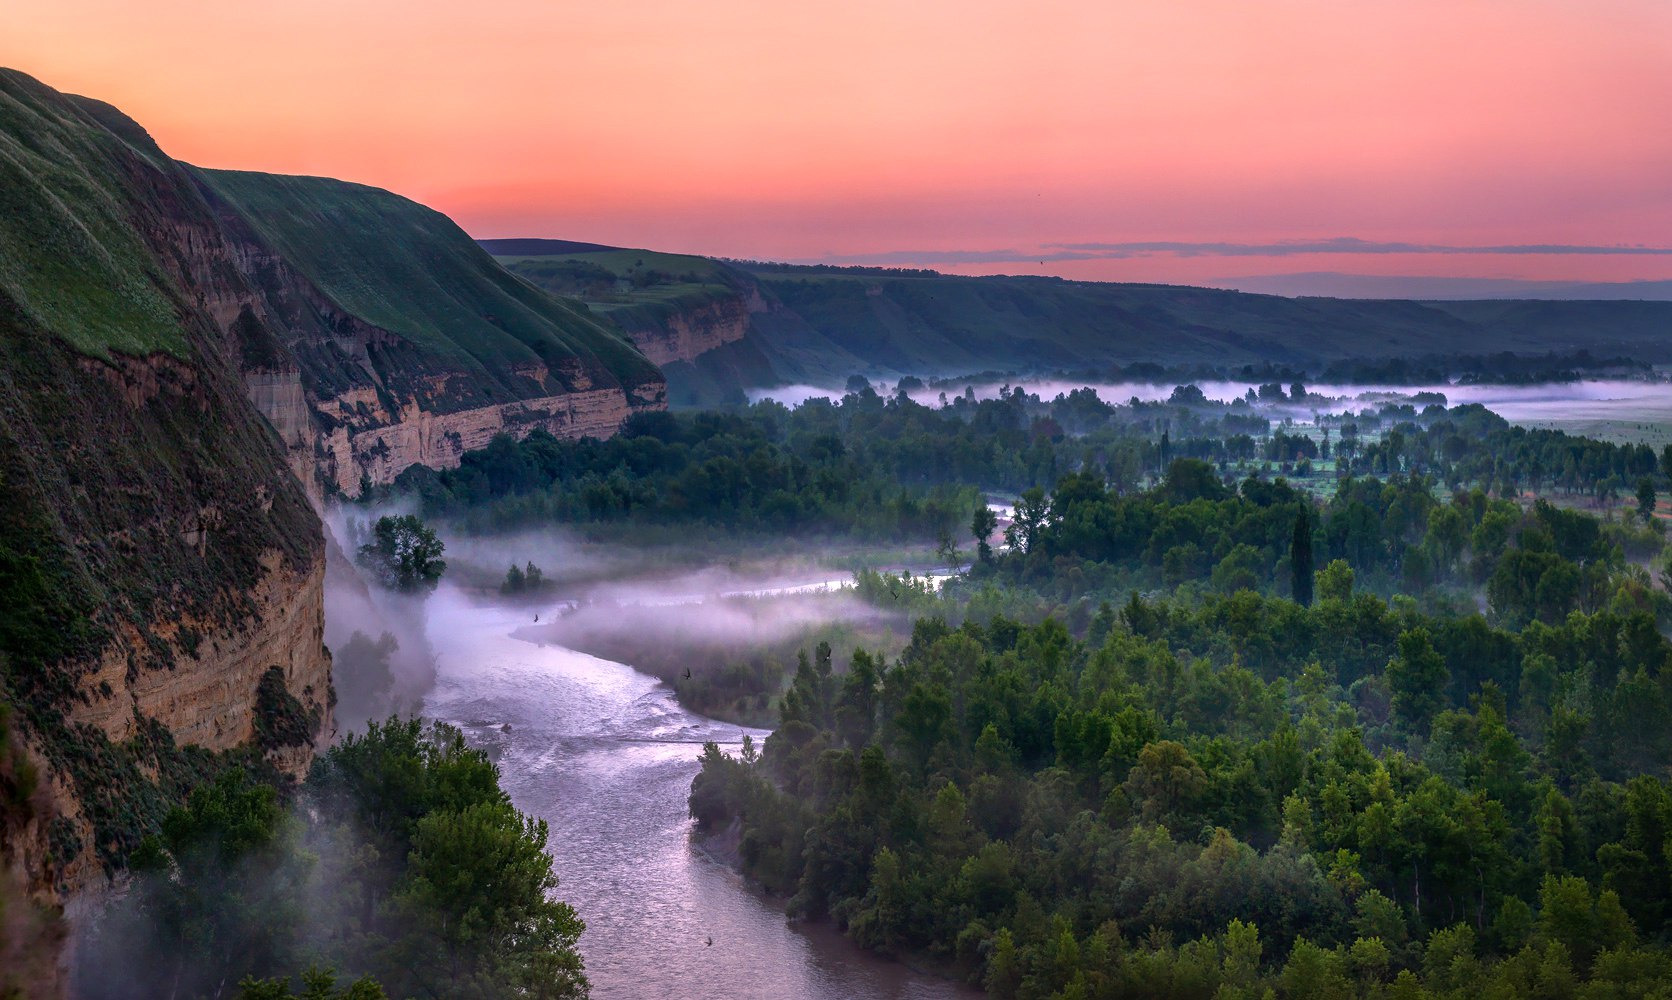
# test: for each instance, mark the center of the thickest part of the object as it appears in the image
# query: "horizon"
(1315, 148)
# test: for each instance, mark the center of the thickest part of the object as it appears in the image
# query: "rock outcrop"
(684, 334)
(189, 363)
(375, 335)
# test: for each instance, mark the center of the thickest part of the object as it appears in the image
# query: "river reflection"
(605, 755)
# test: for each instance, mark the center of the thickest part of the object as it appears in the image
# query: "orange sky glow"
(971, 136)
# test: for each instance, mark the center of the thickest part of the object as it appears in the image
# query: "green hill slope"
(715, 330)
(820, 324)
(412, 271)
(70, 259)
(929, 323)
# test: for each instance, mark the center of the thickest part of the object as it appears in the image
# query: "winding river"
(606, 755)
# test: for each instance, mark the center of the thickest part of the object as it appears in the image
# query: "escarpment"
(190, 362)
(392, 339)
(684, 334)
(160, 567)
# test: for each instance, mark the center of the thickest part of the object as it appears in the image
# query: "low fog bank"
(724, 656)
(724, 634)
(382, 663)
(722, 625)
(1504, 399)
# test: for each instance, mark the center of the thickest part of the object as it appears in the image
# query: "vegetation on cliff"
(142, 499)
(71, 260)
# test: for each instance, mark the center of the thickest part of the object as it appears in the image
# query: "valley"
(391, 612)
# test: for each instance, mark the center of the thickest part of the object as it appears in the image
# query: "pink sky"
(860, 130)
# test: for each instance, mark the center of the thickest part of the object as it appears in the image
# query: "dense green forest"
(400, 862)
(1404, 735)
(877, 467)
(1351, 799)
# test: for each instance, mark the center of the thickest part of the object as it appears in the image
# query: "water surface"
(605, 755)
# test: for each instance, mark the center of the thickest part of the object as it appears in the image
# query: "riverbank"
(605, 755)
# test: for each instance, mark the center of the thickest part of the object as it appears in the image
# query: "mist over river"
(606, 755)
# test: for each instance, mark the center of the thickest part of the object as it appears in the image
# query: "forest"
(399, 861)
(1375, 706)
(877, 467)
(1354, 798)
(1210, 738)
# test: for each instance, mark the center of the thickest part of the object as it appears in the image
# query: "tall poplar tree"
(1300, 560)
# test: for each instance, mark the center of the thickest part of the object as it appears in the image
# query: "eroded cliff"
(685, 333)
(395, 340)
(160, 567)
(190, 361)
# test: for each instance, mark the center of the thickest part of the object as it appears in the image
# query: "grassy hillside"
(646, 289)
(929, 323)
(630, 286)
(825, 323)
(142, 497)
(408, 269)
(70, 261)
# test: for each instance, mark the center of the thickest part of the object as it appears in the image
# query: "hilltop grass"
(413, 271)
(71, 260)
(664, 282)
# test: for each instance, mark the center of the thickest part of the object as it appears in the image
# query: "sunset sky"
(1195, 140)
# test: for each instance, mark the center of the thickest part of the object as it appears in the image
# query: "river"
(605, 755)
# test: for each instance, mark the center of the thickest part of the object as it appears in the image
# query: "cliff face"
(189, 362)
(391, 339)
(684, 334)
(158, 560)
(712, 326)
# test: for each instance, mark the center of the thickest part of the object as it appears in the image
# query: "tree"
(982, 526)
(478, 899)
(1646, 499)
(404, 553)
(1300, 559)
(1029, 520)
(1166, 780)
(317, 984)
(1418, 678)
(1335, 581)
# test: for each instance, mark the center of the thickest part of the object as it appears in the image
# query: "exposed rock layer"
(686, 334)
(157, 540)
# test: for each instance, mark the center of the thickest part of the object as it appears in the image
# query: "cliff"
(397, 340)
(190, 360)
(160, 568)
(711, 326)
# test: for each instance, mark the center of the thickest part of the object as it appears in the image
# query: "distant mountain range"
(1378, 286)
(719, 327)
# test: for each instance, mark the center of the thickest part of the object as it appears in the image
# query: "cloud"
(1344, 245)
(918, 257)
(1057, 252)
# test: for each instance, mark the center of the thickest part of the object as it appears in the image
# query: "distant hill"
(714, 329)
(790, 323)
